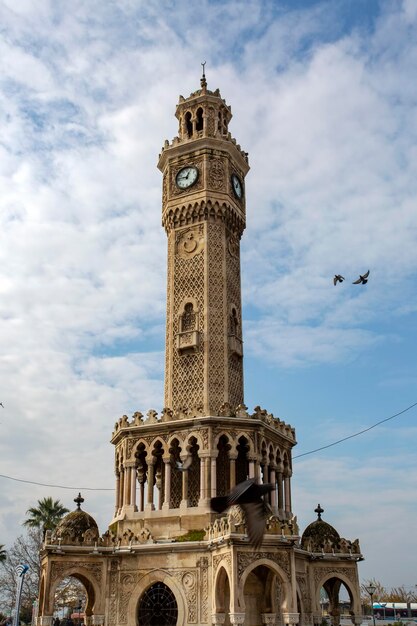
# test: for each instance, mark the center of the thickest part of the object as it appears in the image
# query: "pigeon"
(338, 279)
(1, 404)
(362, 280)
(249, 496)
(183, 467)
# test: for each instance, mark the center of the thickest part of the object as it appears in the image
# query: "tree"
(379, 594)
(25, 550)
(46, 515)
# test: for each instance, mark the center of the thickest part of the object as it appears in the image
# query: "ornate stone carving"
(216, 175)
(187, 581)
(203, 564)
(127, 583)
(244, 559)
(112, 614)
(189, 241)
(321, 572)
(268, 618)
(60, 570)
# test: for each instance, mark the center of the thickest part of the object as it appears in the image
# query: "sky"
(324, 100)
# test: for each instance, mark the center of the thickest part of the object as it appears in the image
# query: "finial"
(319, 511)
(203, 81)
(78, 500)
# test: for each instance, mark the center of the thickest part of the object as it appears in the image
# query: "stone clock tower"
(167, 559)
(203, 212)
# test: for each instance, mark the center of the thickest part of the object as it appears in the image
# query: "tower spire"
(203, 81)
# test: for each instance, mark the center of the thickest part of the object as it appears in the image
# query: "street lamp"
(371, 590)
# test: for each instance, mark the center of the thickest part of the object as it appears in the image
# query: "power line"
(33, 482)
(365, 430)
(329, 445)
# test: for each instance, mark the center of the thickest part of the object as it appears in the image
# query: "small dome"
(319, 534)
(77, 526)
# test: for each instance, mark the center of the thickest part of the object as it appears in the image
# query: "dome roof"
(318, 534)
(77, 526)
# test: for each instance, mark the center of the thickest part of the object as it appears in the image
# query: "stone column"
(213, 476)
(184, 501)
(335, 615)
(127, 482)
(151, 472)
(273, 480)
(232, 460)
(269, 618)
(251, 468)
(218, 618)
(237, 618)
(280, 490)
(122, 487)
(133, 488)
(116, 506)
(287, 490)
(167, 496)
(44, 620)
(202, 480)
(97, 620)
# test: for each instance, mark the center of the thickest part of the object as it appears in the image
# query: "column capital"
(218, 618)
(269, 618)
(237, 618)
(290, 618)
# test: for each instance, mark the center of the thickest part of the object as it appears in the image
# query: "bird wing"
(366, 275)
(335, 280)
(239, 490)
(255, 522)
(357, 282)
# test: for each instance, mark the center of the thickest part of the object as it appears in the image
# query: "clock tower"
(203, 213)
(167, 558)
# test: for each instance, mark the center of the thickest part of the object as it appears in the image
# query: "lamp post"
(371, 590)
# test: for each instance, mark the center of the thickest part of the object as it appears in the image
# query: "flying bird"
(1, 404)
(338, 279)
(183, 467)
(249, 496)
(362, 280)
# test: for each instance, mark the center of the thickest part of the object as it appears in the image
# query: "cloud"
(87, 98)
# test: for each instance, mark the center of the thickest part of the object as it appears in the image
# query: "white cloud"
(87, 98)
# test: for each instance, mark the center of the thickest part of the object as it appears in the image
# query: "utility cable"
(329, 445)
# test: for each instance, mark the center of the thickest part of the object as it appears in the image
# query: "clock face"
(237, 186)
(187, 177)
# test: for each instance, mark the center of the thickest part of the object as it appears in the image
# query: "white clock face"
(237, 186)
(186, 177)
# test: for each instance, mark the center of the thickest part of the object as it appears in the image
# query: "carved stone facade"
(165, 548)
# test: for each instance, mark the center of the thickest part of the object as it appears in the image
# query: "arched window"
(194, 474)
(188, 124)
(158, 606)
(141, 473)
(234, 323)
(223, 467)
(200, 121)
(242, 463)
(176, 477)
(188, 318)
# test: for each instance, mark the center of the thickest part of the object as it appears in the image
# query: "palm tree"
(46, 515)
(3, 553)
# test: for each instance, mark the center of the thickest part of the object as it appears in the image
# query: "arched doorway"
(158, 606)
(335, 600)
(73, 601)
